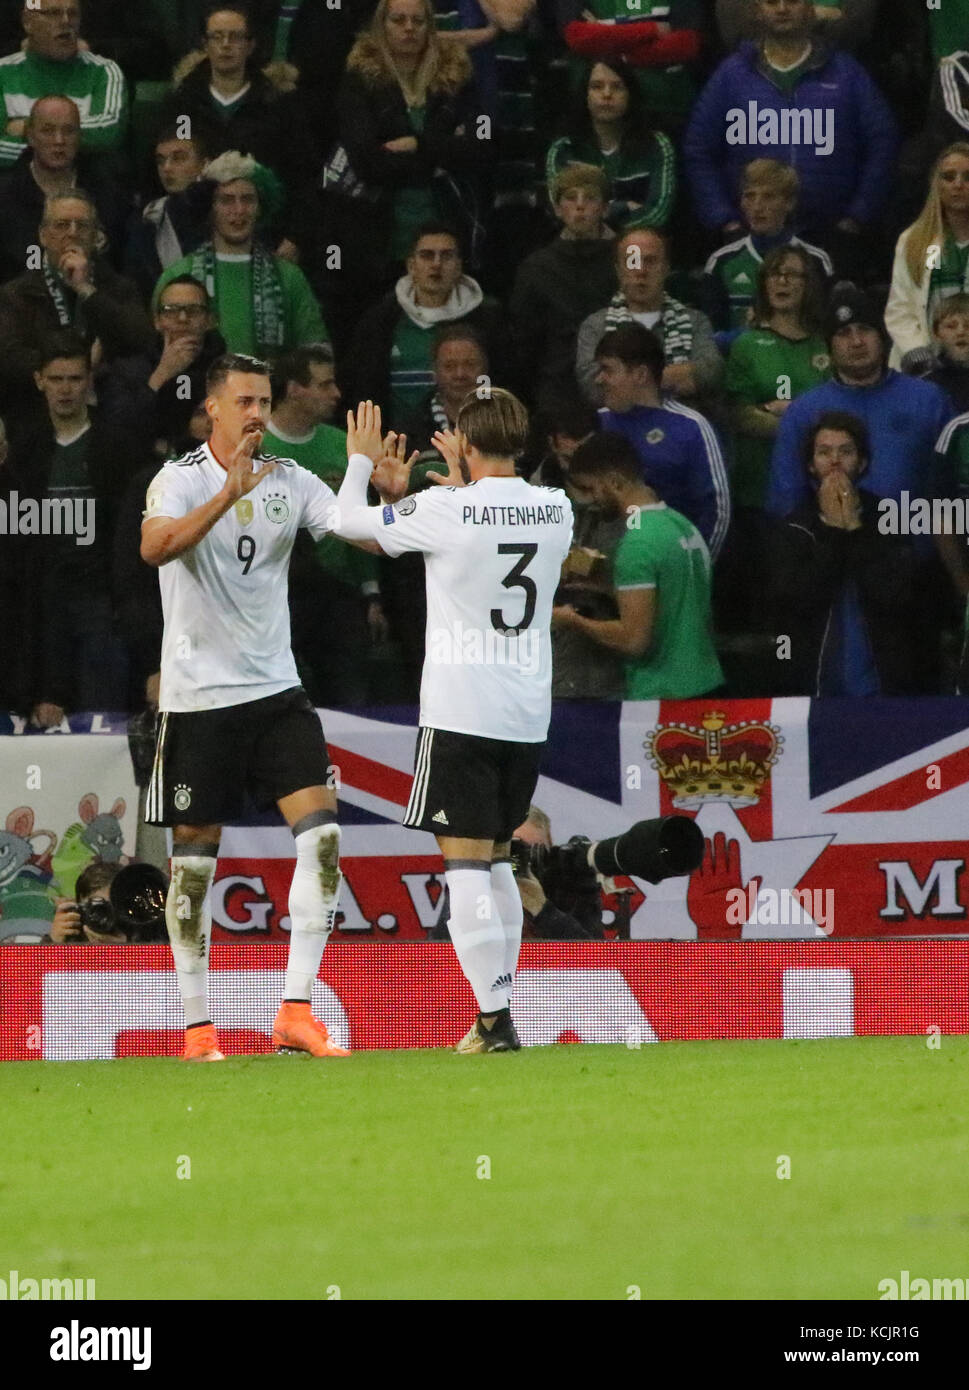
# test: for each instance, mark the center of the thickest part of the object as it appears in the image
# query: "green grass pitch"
(609, 1168)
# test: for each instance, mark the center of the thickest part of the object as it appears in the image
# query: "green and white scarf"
(675, 325)
(267, 293)
(55, 289)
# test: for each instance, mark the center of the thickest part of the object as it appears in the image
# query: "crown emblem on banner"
(714, 761)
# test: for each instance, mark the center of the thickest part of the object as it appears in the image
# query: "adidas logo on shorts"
(440, 818)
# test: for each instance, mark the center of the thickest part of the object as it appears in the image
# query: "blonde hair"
(494, 422)
(587, 176)
(771, 173)
(929, 229)
(414, 87)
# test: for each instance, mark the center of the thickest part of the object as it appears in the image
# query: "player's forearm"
(172, 536)
(353, 516)
(612, 633)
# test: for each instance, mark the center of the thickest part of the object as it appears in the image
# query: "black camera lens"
(97, 914)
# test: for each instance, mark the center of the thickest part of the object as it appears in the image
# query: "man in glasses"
(52, 63)
(69, 285)
(152, 395)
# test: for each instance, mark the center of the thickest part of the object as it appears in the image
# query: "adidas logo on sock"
(440, 818)
(502, 982)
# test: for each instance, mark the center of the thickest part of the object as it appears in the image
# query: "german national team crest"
(244, 511)
(277, 509)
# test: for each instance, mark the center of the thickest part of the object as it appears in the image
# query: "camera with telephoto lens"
(651, 849)
(135, 906)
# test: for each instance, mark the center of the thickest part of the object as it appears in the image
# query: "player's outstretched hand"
(363, 432)
(240, 475)
(446, 444)
(391, 476)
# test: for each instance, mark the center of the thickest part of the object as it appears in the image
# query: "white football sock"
(313, 897)
(188, 916)
(509, 903)
(478, 936)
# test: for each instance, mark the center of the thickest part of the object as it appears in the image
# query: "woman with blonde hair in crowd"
(931, 261)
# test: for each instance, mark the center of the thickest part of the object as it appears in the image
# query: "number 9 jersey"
(493, 556)
(225, 601)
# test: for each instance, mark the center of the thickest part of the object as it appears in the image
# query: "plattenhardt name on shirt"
(470, 646)
(48, 516)
(762, 125)
(550, 515)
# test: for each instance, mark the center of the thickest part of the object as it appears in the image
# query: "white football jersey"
(493, 556)
(226, 601)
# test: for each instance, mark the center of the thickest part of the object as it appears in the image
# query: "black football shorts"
(469, 787)
(208, 761)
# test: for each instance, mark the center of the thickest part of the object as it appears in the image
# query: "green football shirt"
(763, 366)
(666, 552)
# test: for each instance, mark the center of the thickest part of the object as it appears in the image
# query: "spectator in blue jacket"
(678, 446)
(792, 98)
(903, 415)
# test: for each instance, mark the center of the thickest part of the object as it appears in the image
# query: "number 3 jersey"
(226, 601)
(493, 555)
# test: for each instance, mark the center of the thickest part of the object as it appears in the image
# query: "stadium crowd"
(721, 250)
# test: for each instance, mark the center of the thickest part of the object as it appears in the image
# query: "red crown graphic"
(716, 761)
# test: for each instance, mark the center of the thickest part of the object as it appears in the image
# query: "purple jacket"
(844, 161)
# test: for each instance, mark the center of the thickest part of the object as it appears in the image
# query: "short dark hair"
(172, 131)
(458, 333)
(433, 229)
(230, 362)
(607, 452)
(574, 419)
(95, 876)
(186, 279)
(634, 346)
(98, 875)
(495, 422)
(846, 423)
(235, 6)
(296, 365)
(63, 344)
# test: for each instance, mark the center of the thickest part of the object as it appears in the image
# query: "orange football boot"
(202, 1044)
(296, 1030)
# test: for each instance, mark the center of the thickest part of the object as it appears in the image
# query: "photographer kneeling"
(561, 902)
(113, 906)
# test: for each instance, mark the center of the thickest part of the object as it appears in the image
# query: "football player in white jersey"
(493, 547)
(220, 524)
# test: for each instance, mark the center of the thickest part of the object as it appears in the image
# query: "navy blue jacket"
(904, 417)
(682, 462)
(852, 180)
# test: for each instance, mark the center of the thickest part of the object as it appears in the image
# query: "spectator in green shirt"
(264, 303)
(661, 573)
(780, 356)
